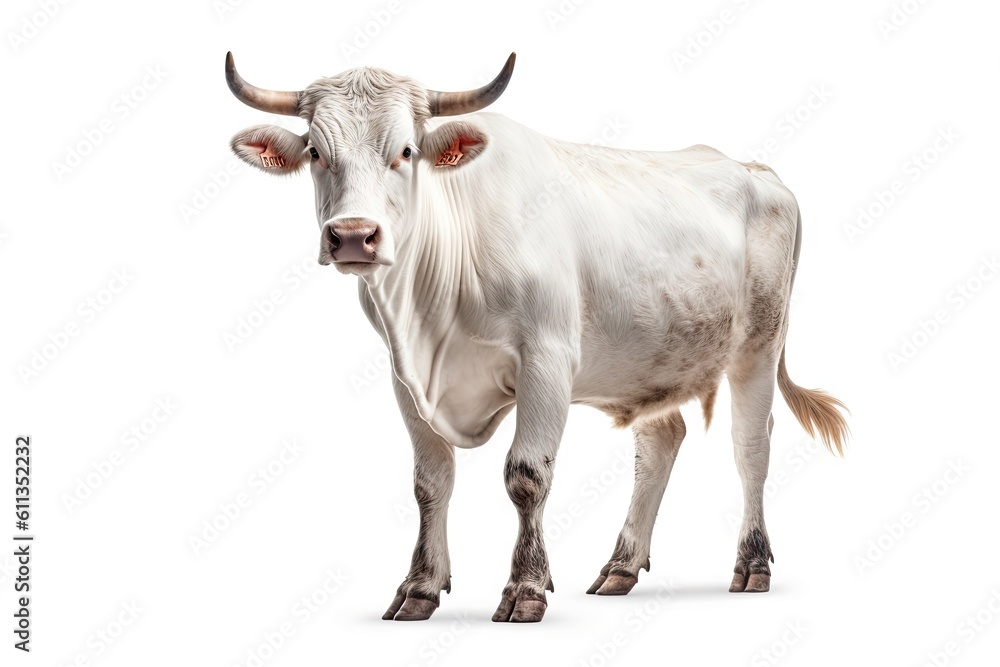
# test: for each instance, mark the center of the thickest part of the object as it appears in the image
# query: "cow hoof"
(745, 582)
(409, 609)
(758, 583)
(594, 587)
(615, 580)
(521, 604)
(614, 584)
(519, 611)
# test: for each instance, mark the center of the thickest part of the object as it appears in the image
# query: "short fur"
(546, 273)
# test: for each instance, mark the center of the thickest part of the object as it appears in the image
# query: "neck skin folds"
(432, 290)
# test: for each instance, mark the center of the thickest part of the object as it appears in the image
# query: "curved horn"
(452, 104)
(272, 101)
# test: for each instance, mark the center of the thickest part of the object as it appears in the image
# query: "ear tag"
(270, 160)
(451, 156)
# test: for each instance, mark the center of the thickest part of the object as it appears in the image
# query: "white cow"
(501, 266)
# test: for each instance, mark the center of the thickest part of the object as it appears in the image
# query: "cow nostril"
(370, 239)
(333, 239)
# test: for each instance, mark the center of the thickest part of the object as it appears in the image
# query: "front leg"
(433, 480)
(543, 389)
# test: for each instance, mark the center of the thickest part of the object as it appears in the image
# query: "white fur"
(545, 272)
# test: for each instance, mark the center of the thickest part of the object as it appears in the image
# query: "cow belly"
(646, 385)
(657, 345)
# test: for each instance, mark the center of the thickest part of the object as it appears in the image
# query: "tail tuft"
(816, 410)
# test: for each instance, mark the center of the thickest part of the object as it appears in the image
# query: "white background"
(858, 585)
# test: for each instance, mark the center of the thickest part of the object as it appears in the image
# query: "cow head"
(366, 135)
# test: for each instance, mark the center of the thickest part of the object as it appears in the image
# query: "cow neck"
(421, 298)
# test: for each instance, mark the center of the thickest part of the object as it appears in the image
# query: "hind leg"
(753, 392)
(656, 444)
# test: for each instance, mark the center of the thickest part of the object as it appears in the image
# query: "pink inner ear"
(269, 159)
(261, 148)
(451, 156)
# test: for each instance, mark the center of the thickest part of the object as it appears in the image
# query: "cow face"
(366, 135)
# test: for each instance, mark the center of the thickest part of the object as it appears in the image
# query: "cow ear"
(454, 145)
(270, 148)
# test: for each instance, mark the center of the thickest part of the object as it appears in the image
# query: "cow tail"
(817, 411)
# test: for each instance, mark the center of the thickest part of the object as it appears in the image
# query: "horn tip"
(232, 78)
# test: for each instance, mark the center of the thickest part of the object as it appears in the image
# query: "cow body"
(504, 267)
(649, 325)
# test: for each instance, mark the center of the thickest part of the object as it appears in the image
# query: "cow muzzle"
(351, 241)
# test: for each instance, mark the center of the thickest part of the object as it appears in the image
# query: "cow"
(503, 267)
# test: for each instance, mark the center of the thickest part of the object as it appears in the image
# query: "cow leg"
(656, 444)
(433, 480)
(753, 391)
(543, 397)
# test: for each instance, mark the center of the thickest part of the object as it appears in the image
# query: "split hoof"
(614, 584)
(409, 609)
(519, 609)
(746, 582)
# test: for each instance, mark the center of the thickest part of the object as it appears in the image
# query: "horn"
(452, 104)
(272, 101)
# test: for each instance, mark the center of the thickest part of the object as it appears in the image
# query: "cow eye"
(406, 153)
(314, 152)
